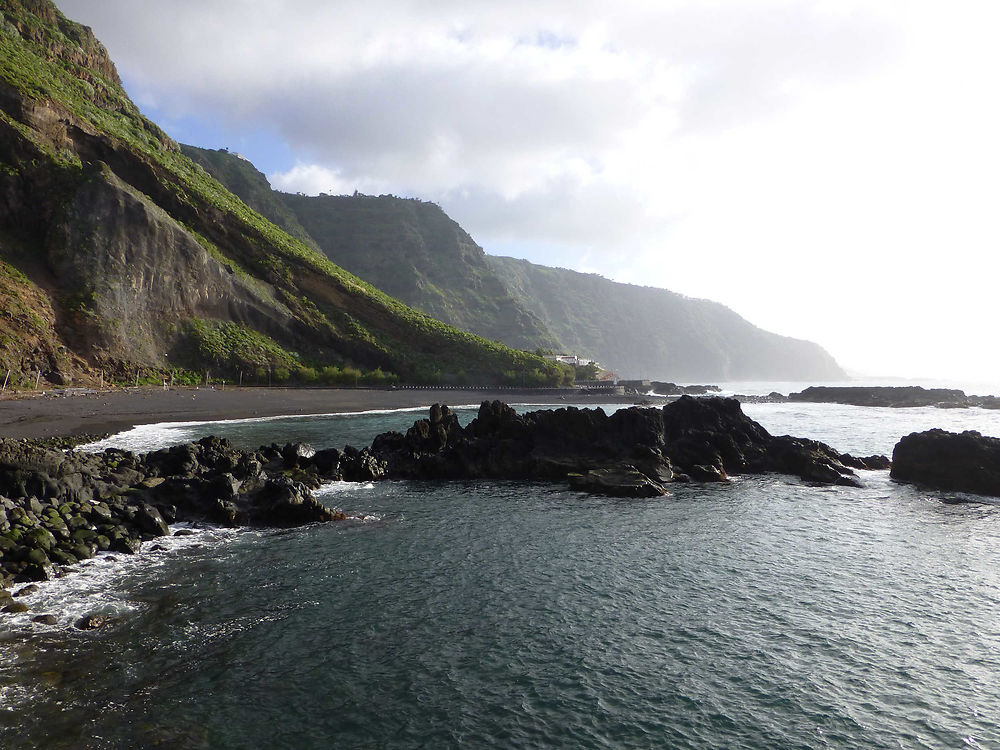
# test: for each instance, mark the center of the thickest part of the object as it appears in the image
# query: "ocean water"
(763, 613)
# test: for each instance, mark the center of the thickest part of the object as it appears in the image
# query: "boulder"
(625, 481)
(811, 461)
(362, 466)
(38, 566)
(125, 543)
(297, 454)
(95, 621)
(327, 463)
(959, 462)
(149, 520)
(285, 502)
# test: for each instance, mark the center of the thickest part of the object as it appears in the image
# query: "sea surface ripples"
(759, 614)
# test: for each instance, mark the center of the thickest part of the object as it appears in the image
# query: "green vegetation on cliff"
(122, 250)
(114, 213)
(413, 251)
(243, 179)
(410, 249)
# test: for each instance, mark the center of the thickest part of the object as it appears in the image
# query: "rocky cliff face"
(125, 252)
(160, 274)
(135, 255)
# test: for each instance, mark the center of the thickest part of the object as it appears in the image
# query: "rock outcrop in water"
(57, 507)
(960, 462)
(894, 396)
(634, 452)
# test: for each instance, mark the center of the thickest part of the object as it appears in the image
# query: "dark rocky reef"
(959, 462)
(672, 389)
(894, 396)
(634, 452)
(771, 398)
(57, 507)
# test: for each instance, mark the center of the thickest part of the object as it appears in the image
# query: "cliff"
(125, 253)
(656, 333)
(413, 251)
(410, 249)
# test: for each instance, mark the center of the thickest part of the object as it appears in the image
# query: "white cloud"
(826, 168)
(312, 179)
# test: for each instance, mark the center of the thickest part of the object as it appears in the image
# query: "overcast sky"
(830, 170)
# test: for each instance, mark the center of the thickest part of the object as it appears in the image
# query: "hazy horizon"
(824, 169)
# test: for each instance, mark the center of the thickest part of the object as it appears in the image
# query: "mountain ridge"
(660, 334)
(637, 331)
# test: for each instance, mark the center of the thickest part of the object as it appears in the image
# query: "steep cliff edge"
(136, 252)
(655, 333)
(238, 175)
(410, 249)
(415, 252)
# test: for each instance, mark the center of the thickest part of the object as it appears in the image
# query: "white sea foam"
(337, 488)
(95, 586)
(164, 434)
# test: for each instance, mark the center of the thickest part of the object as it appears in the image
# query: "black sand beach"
(64, 413)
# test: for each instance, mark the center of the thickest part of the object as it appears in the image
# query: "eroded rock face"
(961, 462)
(141, 271)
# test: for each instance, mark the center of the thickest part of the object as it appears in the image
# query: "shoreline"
(66, 413)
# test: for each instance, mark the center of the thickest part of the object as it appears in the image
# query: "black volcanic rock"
(672, 389)
(633, 452)
(895, 396)
(59, 507)
(626, 481)
(962, 462)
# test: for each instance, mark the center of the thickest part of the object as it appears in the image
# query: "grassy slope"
(242, 178)
(48, 61)
(413, 251)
